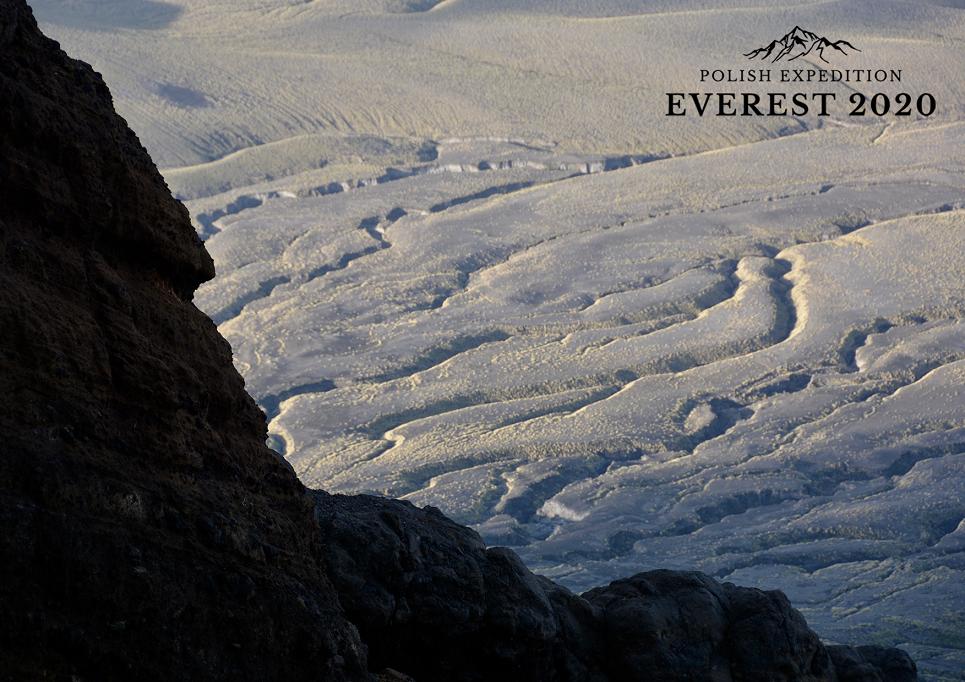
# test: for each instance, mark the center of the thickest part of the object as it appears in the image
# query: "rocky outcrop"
(872, 664)
(149, 534)
(430, 599)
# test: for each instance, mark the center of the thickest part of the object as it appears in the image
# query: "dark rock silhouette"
(149, 534)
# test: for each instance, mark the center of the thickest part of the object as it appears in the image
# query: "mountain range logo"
(800, 43)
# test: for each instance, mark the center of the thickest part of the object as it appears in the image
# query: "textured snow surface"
(464, 259)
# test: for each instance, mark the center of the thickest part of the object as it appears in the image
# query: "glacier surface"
(465, 260)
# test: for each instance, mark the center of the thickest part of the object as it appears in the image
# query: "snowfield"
(464, 259)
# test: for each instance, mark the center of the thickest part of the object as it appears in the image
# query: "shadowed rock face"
(148, 533)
